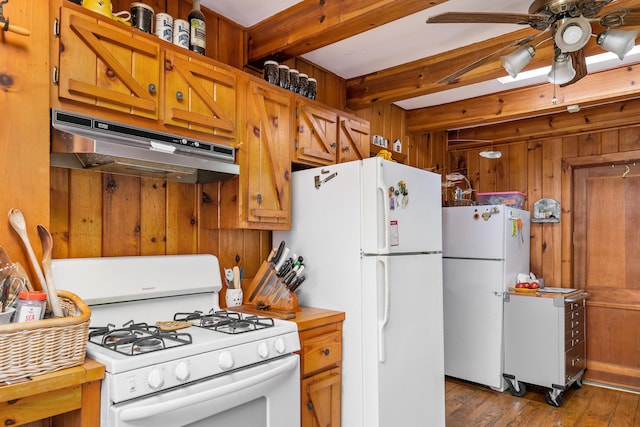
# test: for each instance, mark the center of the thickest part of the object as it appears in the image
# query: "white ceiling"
(401, 41)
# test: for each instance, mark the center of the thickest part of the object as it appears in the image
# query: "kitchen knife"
(271, 254)
(278, 255)
(282, 259)
(297, 283)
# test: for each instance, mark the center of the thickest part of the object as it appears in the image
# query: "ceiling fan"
(566, 22)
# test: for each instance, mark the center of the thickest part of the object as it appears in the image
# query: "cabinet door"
(316, 136)
(200, 96)
(266, 157)
(354, 139)
(108, 66)
(320, 397)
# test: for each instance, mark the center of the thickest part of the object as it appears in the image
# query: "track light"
(562, 70)
(619, 42)
(518, 59)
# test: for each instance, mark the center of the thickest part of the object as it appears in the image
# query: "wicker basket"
(48, 345)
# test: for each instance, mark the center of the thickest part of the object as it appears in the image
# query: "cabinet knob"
(310, 406)
(326, 352)
(346, 149)
(259, 197)
(179, 96)
(152, 88)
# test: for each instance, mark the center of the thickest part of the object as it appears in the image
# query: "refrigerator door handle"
(382, 324)
(382, 188)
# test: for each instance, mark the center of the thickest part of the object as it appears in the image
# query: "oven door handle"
(132, 414)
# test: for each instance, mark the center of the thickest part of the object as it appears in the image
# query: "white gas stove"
(155, 374)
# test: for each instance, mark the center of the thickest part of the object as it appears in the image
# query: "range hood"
(83, 142)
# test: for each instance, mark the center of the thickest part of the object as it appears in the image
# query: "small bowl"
(5, 317)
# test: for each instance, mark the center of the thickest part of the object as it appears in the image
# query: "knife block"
(268, 293)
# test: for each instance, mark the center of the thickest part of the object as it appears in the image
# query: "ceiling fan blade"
(579, 64)
(451, 78)
(621, 17)
(535, 20)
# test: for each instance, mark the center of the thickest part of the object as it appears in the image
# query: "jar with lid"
(31, 306)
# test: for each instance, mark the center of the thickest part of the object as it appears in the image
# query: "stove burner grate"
(226, 321)
(137, 338)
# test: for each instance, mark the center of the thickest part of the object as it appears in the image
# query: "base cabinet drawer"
(320, 367)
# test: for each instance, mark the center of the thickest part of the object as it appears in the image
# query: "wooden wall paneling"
(121, 215)
(629, 138)
(487, 171)
(85, 214)
(24, 154)
(182, 219)
(611, 141)
(153, 217)
(534, 192)
(517, 160)
(551, 244)
(230, 44)
(59, 222)
(569, 149)
(589, 144)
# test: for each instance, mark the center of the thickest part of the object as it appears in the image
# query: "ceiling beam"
(594, 89)
(421, 77)
(312, 24)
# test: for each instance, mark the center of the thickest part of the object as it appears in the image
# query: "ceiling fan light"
(619, 42)
(518, 59)
(572, 34)
(491, 154)
(562, 70)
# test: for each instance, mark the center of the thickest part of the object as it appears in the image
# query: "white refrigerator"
(484, 249)
(370, 233)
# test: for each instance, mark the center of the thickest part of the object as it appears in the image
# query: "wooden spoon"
(16, 219)
(47, 246)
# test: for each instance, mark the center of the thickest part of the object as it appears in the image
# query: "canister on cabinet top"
(164, 26)
(181, 33)
(31, 306)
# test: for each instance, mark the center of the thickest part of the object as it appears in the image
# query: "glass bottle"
(197, 27)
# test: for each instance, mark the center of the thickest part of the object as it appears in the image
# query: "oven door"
(265, 395)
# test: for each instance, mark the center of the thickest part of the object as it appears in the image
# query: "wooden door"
(320, 399)
(606, 205)
(107, 66)
(200, 96)
(267, 161)
(317, 133)
(354, 139)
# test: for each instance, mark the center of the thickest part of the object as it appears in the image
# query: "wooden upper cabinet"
(260, 197)
(354, 139)
(102, 65)
(199, 95)
(316, 138)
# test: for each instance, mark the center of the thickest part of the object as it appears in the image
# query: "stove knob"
(182, 371)
(155, 379)
(225, 361)
(263, 350)
(280, 347)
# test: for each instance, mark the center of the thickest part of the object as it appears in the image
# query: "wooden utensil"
(47, 246)
(17, 221)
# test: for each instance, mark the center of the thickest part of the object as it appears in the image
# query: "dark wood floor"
(471, 405)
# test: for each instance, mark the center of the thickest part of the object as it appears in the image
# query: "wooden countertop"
(547, 294)
(306, 317)
(71, 396)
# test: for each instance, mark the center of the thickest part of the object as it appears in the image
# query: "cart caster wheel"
(521, 391)
(578, 383)
(548, 396)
